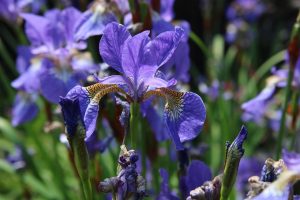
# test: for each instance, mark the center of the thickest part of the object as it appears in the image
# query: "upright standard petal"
(133, 55)
(35, 28)
(67, 16)
(164, 45)
(111, 45)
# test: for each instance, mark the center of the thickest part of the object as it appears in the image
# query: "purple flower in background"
(180, 59)
(52, 39)
(93, 21)
(248, 167)
(165, 192)
(95, 145)
(291, 160)
(249, 10)
(24, 108)
(240, 14)
(138, 58)
(16, 159)
(197, 173)
(11, 9)
(166, 10)
(256, 107)
(259, 107)
(53, 64)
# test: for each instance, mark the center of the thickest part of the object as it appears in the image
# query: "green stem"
(200, 44)
(294, 120)
(283, 116)
(293, 51)
(82, 162)
(134, 124)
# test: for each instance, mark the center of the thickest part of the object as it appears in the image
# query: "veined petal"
(96, 92)
(184, 114)
(164, 45)
(133, 54)
(90, 117)
(111, 45)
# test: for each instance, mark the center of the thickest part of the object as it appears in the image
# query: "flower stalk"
(81, 161)
(293, 51)
(76, 134)
(134, 124)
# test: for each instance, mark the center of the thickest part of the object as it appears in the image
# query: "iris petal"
(184, 114)
(24, 109)
(92, 23)
(89, 98)
(133, 54)
(164, 45)
(111, 44)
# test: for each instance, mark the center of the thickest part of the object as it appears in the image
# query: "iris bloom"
(11, 9)
(93, 21)
(138, 59)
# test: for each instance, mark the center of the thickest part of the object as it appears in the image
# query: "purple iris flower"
(53, 63)
(165, 192)
(138, 58)
(24, 108)
(93, 21)
(249, 10)
(11, 9)
(256, 107)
